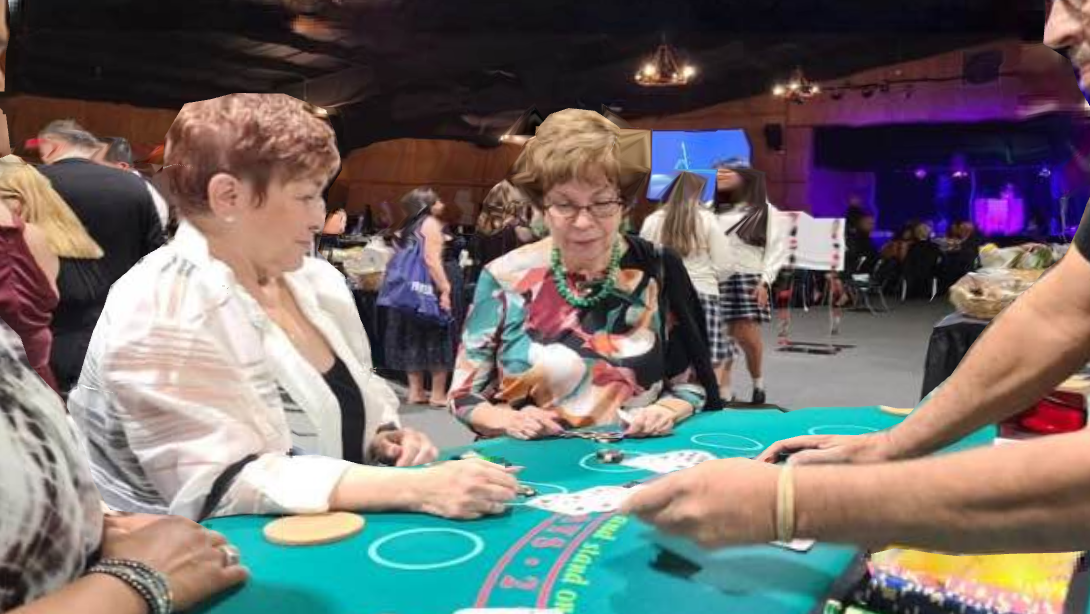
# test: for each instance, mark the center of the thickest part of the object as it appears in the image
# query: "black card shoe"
(758, 396)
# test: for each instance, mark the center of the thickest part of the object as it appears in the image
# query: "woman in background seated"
(230, 373)
(60, 555)
(414, 345)
(335, 225)
(573, 331)
(505, 223)
(37, 229)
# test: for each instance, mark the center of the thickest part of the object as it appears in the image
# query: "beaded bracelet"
(151, 585)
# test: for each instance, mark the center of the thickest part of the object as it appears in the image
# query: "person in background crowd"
(963, 256)
(60, 554)
(504, 224)
(118, 154)
(335, 225)
(36, 229)
(413, 345)
(683, 225)
(230, 373)
(860, 253)
(120, 216)
(756, 250)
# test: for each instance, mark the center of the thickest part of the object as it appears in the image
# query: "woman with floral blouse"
(588, 326)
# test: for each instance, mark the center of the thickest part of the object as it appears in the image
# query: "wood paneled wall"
(27, 115)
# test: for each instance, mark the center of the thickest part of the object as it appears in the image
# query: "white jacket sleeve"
(776, 247)
(190, 409)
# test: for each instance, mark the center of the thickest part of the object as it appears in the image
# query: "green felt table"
(596, 564)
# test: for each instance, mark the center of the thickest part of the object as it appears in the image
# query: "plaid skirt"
(718, 342)
(737, 302)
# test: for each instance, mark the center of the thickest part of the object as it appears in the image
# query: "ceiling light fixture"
(798, 88)
(665, 69)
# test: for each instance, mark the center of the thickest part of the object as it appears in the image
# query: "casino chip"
(610, 456)
(313, 529)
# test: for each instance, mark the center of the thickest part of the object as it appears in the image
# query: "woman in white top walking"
(691, 230)
(755, 249)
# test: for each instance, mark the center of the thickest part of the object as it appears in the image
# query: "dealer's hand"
(532, 423)
(814, 449)
(403, 448)
(717, 503)
(651, 421)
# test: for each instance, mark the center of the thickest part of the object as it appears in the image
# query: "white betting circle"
(373, 551)
(754, 445)
(823, 430)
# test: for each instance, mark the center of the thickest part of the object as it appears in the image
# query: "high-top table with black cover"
(950, 342)
(593, 564)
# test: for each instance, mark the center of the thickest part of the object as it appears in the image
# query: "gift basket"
(1005, 274)
(365, 266)
(983, 294)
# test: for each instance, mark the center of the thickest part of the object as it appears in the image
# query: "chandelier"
(664, 69)
(798, 89)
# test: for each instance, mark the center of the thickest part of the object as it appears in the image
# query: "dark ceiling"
(459, 68)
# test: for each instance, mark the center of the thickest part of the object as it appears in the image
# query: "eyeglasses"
(599, 210)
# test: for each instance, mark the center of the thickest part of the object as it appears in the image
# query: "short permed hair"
(68, 131)
(569, 145)
(254, 137)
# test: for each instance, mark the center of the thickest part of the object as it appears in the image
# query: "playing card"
(668, 462)
(798, 545)
(508, 611)
(597, 500)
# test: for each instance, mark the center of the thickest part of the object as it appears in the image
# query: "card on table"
(798, 545)
(668, 462)
(508, 611)
(600, 500)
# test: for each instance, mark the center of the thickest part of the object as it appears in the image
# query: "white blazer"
(183, 380)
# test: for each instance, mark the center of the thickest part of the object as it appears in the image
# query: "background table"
(950, 342)
(596, 564)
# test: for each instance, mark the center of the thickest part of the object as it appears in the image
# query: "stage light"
(921, 174)
(1045, 172)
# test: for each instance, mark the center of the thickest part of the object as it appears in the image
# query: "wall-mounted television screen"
(693, 151)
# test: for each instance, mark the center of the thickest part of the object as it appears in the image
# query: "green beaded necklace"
(560, 277)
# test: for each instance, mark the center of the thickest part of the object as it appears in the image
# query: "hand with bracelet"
(720, 503)
(172, 564)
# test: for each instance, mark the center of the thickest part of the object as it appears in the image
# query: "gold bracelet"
(785, 505)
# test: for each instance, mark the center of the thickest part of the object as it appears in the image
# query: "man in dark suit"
(118, 212)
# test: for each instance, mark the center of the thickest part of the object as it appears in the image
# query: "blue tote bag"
(408, 287)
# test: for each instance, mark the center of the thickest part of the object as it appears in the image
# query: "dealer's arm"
(1026, 497)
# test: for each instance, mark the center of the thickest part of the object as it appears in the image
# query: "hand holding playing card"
(715, 504)
(651, 421)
